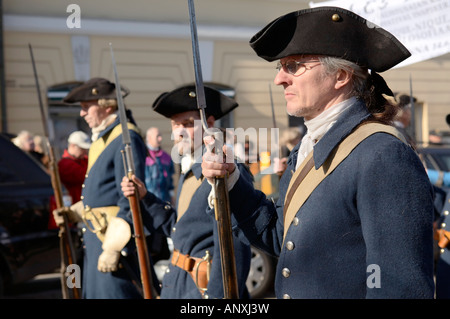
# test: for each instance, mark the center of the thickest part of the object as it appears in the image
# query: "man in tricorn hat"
(103, 208)
(195, 268)
(354, 218)
(403, 119)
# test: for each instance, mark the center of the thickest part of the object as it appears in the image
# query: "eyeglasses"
(293, 67)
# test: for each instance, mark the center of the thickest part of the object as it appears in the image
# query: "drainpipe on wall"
(3, 126)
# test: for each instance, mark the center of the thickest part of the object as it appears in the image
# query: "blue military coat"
(194, 234)
(364, 232)
(443, 260)
(102, 188)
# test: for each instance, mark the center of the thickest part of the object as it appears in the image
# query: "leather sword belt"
(198, 268)
(99, 218)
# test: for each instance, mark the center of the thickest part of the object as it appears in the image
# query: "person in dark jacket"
(110, 267)
(353, 220)
(193, 232)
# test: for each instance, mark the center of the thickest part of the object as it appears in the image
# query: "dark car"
(29, 245)
(436, 157)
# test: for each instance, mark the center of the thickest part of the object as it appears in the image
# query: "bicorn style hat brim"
(330, 31)
(94, 89)
(184, 99)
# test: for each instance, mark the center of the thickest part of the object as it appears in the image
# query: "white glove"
(73, 213)
(117, 236)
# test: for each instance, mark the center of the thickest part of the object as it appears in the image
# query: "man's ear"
(111, 109)
(343, 77)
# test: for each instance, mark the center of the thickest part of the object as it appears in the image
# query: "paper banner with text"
(423, 26)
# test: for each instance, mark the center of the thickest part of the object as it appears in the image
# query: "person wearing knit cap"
(355, 212)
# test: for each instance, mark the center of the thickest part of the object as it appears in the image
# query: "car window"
(446, 161)
(17, 166)
(436, 158)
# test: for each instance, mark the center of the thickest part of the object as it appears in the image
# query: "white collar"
(187, 161)
(319, 126)
(104, 124)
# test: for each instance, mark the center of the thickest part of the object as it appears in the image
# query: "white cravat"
(104, 124)
(318, 126)
(188, 160)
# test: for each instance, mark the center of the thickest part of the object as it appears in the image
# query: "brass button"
(81, 197)
(295, 221)
(290, 245)
(174, 229)
(446, 213)
(443, 225)
(335, 17)
(286, 296)
(286, 272)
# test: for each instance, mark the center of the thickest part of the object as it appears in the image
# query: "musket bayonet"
(199, 87)
(221, 202)
(141, 244)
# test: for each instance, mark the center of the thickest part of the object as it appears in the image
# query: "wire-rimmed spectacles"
(293, 67)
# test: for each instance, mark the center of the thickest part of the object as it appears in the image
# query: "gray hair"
(107, 103)
(363, 87)
(359, 74)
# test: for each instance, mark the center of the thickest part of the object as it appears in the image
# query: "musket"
(275, 140)
(141, 244)
(413, 112)
(272, 107)
(221, 201)
(66, 244)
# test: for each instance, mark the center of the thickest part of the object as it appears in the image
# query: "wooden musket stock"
(141, 245)
(227, 259)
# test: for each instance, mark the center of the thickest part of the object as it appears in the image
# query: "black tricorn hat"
(94, 89)
(330, 31)
(184, 99)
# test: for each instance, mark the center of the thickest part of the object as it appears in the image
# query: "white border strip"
(124, 28)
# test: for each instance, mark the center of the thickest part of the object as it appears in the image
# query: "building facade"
(152, 48)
